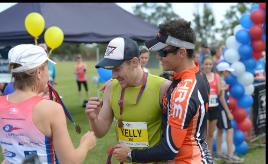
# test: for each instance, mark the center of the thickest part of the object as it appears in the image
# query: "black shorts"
(79, 85)
(213, 113)
(223, 122)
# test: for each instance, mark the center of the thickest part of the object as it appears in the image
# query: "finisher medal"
(120, 123)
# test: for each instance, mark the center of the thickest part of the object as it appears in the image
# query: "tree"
(67, 51)
(155, 13)
(231, 19)
(204, 25)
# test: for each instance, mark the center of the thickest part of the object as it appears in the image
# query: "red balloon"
(258, 45)
(240, 115)
(257, 55)
(232, 103)
(245, 125)
(246, 135)
(256, 32)
(257, 16)
(262, 5)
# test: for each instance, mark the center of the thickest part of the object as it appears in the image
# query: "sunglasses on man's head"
(164, 52)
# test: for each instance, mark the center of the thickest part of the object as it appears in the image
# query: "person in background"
(51, 67)
(80, 72)
(216, 97)
(33, 124)
(204, 51)
(144, 58)
(260, 73)
(9, 88)
(132, 97)
(167, 75)
(224, 120)
(2, 88)
(184, 105)
(216, 55)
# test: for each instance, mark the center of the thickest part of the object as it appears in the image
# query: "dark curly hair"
(180, 29)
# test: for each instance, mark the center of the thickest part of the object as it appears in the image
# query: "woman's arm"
(62, 143)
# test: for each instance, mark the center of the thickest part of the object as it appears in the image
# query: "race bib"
(213, 101)
(133, 134)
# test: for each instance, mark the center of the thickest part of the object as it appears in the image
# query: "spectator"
(260, 73)
(80, 71)
(203, 52)
(167, 75)
(144, 58)
(2, 88)
(216, 97)
(51, 67)
(224, 120)
(216, 55)
(9, 88)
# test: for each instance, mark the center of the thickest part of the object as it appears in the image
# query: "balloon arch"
(244, 50)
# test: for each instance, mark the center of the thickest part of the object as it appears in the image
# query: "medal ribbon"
(121, 101)
(52, 92)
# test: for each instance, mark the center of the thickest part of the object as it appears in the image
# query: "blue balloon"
(245, 21)
(104, 74)
(250, 64)
(245, 51)
(239, 137)
(248, 111)
(234, 124)
(243, 36)
(260, 64)
(254, 7)
(263, 37)
(230, 79)
(245, 101)
(214, 145)
(242, 148)
(237, 91)
(101, 80)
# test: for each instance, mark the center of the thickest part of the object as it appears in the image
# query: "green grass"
(66, 86)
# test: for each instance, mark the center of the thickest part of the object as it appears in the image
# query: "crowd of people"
(169, 118)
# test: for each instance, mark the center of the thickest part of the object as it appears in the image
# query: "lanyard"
(121, 101)
(110, 154)
(53, 92)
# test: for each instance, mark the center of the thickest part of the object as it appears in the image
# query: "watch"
(129, 158)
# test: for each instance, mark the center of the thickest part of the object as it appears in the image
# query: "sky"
(184, 10)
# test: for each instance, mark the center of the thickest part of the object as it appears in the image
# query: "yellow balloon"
(34, 24)
(54, 37)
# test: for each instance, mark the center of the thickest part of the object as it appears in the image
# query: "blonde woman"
(31, 124)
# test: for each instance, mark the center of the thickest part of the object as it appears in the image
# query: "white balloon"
(239, 68)
(231, 55)
(232, 43)
(237, 28)
(223, 143)
(246, 79)
(95, 79)
(249, 90)
(224, 148)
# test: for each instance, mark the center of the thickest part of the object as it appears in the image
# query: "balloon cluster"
(244, 49)
(35, 25)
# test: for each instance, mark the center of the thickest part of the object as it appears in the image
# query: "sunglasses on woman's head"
(164, 52)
